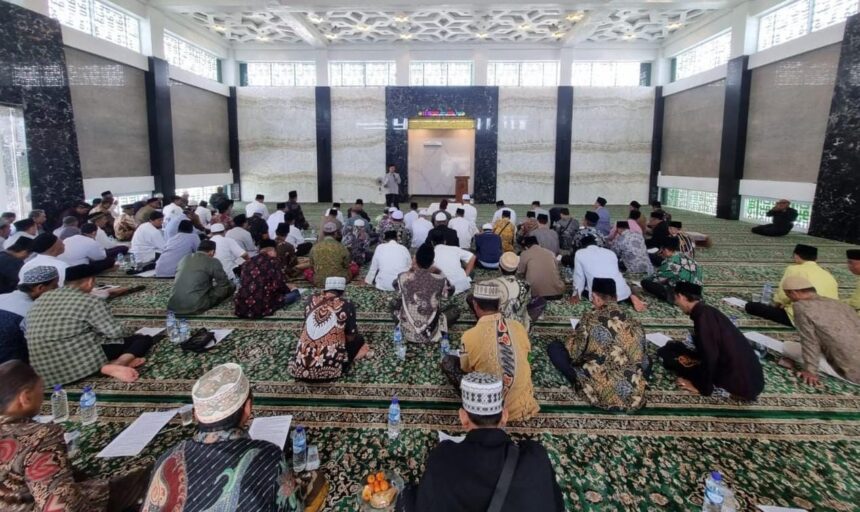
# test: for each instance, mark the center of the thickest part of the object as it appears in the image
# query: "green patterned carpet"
(796, 446)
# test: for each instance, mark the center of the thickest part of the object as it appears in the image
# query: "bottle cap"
(58, 387)
(394, 400)
(299, 429)
(87, 389)
(716, 475)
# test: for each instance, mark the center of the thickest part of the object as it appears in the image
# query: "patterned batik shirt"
(404, 236)
(65, 332)
(287, 258)
(506, 230)
(329, 258)
(36, 474)
(631, 250)
(223, 219)
(679, 267)
(516, 295)
(321, 353)
(607, 350)
(688, 246)
(262, 287)
(420, 293)
(585, 231)
(222, 471)
(566, 228)
(357, 241)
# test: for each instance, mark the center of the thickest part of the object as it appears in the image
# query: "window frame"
(492, 74)
(391, 72)
(615, 74)
(217, 60)
(809, 26)
(91, 24)
(675, 67)
(271, 64)
(447, 67)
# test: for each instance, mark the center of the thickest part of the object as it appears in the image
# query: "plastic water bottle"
(714, 493)
(132, 262)
(184, 330)
(767, 293)
(59, 404)
(735, 321)
(444, 346)
(172, 329)
(399, 346)
(120, 261)
(300, 449)
(89, 414)
(394, 424)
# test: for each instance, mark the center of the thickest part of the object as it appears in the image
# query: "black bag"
(198, 340)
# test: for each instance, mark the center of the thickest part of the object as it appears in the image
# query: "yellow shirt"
(482, 355)
(824, 283)
(854, 300)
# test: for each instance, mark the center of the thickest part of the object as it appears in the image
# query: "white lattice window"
(693, 200)
(192, 58)
(282, 74)
(754, 209)
(605, 74)
(440, 73)
(362, 74)
(801, 17)
(98, 19)
(704, 56)
(523, 74)
(197, 194)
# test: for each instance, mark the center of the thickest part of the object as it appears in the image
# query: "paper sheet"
(767, 341)
(771, 508)
(220, 334)
(736, 302)
(148, 273)
(271, 428)
(149, 331)
(653, 250)
(658, 338)
(136, 436)
(445, 437)
(574, 322)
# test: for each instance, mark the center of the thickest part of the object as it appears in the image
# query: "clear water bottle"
(300, 449)
(89, 414)
(767, 293)
(715, 491)
(735, 321)
(184, 330)
(394, 424)
(120, 261)
(59, 404)
(399, 346)
(444, 346)
(132, 262)
(170, 324)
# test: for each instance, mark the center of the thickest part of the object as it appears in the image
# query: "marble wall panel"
(358, 143)
(611, 146)
(693, 131)
(527, 143)
(277, 142)
(200, 132)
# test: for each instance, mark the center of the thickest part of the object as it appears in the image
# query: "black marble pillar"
(836, 210)
(324, 172)
(233, 133)
(733, 146)
(160, 118)
(479, 103)
(33, 77)
(656, 144)
(563, 141)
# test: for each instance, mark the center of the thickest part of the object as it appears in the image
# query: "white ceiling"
(325, 23)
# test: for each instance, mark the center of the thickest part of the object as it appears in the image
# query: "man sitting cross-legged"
(200, 282)
(515, 297)
(500, 347)
(389, 260)
(14, 307)
(721, 356)
(330, 340)
(329, 258)
(487, 467)
(605, 358)
(592, 262)
(263, 288)
(675, 268)
(71, 334)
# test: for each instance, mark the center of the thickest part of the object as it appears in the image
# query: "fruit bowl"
(377, 494)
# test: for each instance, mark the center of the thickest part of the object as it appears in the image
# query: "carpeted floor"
(796, 446)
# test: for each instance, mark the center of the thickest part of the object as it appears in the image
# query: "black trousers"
(304, 249)
(560, 358)
(772, 230)
(661, 291)
(392, 200)
(136, 344)
(769, 312)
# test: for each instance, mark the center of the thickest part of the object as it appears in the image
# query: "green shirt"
(200, 284)
(679, 267)
(329, 259)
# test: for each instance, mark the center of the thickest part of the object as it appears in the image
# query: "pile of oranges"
(376, 484)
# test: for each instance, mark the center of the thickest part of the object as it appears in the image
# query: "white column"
(402, 58)
(743, 39)
(661, 69)
(152, 33)
(230, 69)
(321, 62)
(40, 6)
(565, 65)
(479, 66)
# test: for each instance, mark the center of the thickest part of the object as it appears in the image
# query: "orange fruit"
(371, 479)
(380, 476)
(384, 486)
(366, 493)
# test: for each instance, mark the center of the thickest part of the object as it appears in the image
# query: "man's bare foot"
(136, 362)
(119, 372)
(638, 304)
(113, 292)
(786, 363)
(686, 385)
(364, 352)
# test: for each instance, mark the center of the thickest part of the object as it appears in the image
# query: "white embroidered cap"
(220, 392)
(482, 394)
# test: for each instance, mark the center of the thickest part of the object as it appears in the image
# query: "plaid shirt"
(65, 331)
(679, 267)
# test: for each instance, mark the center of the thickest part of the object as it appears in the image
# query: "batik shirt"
(607, 350)
(262, 287)
(516, 295)
(566, 228)
(585, 231)
(631, 250)
(124, 227)
(679, 267)
(357, 242)
(420, 293)
(329, 258)
(36, 474)
(321, 353)
(526, 228)
(223, 219)
(287, 258)
(404, 236)
(222, 471)
(688, 246)
(506, 230)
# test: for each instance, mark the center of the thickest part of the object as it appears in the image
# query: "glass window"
(440, 73)
(362, 74)
(282, 74)
(523, 74)
(197, 194)
(98, 19)
(801, 17)
(754, 209)
(192, 58)
(14, 171)
(704, 56)
(605, 74)
(125, 199)
(692, 200)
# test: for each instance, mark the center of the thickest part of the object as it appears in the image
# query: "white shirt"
(43, 260)
(228, 252)
(465, 229)
(389, 261)
(256, 207)
(16, 302)
(146, 241)
(594, 262)
(449, 261)
(81, 250)
(274, 219)
(471, 213)
(171, 210)
(246, 241)
(409, 218)
(498, 215)
(420, 229)
(104, 240)
(295, 237)
(204, 214)
(14, 238)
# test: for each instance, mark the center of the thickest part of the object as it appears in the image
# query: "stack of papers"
(273, 429)
(135, 437)
(220, 334)
(574, 322)
(445, 437)
(658, 338)
(779, 347)
(736, 302)
(771, 508)
(148, 273)
(149, 331)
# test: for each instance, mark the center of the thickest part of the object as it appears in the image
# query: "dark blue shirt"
(9, 268)
(488, 247)
(13, 345)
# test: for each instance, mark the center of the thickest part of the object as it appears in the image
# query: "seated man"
(506, 229)
(605, 358)
(449, 260)
(466, 229)
(659, 229)
(148, 240)
(527, 227)
(853, 256)
(540, 269)
(420, 229)
(604, 224)
(68, 228)
(515, 296)
(500, 347)
(257, 206)
(36, 471)
(329, 258)
(566, 226)
(501, 209)
(72, 334)
(221, 467)
(227, 251)
(783, 217)
(14, 307)
(240, 234)
(330, 341)
(722, 357)
(200, 283)
(676, 267)
(389, 260)
(828, 328)
(82, 249)
(48, 248)
(687, 244)
(263, 287)
(11, 261)
(589, 223)
(103, 226)
(630, 248)
(125, 225)
(467, 476)
(396, 224)
(547, 238)
(440, 225)
(418, 305)
(782, 311)
(286, 251)
(488, 248)
(180, 245)
(24, 228)
(592, 262)
(357, 241)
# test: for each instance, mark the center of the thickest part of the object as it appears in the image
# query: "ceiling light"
(629, 36)
(314, 18)
(558, 35)
(675, 26)
(262, 38)
(331, 36)
(482, 35)
(401, 18)
(405, 36)
(363, 28)
(524, 26)
(574, 16)
(218, 28)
